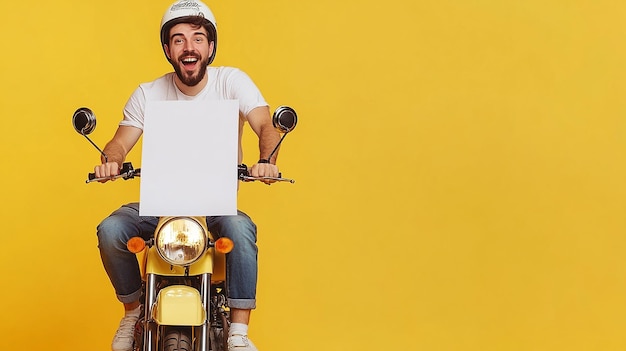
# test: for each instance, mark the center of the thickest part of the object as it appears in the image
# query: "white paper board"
(189, 158)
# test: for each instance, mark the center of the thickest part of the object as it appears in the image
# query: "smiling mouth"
(189, 62)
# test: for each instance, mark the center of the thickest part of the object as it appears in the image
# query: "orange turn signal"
(224, 245)
(136, 244)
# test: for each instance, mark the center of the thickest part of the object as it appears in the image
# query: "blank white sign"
(189, 158)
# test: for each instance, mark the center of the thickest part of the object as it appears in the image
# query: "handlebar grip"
(92, 176)
(242, 170)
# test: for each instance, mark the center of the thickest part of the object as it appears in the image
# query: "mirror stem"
(276, 148)
(106, 159)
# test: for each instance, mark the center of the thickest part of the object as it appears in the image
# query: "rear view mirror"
(84, 121)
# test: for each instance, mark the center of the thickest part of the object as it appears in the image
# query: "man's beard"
(190, 80)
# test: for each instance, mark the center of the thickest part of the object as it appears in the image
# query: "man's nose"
(188, 46)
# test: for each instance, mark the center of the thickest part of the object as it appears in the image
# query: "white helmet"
(187, 11)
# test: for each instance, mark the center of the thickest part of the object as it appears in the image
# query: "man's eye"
(178, 41)
(199, 40)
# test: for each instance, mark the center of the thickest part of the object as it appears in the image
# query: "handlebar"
(244, 176)
(128, 172)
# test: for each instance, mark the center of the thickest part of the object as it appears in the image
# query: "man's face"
(189, 51)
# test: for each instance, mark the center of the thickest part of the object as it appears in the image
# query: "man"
(189, 40)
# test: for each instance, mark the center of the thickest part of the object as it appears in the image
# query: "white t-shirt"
(223, 83)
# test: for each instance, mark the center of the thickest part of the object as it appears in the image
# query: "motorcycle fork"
(205, 295)
(151, 329)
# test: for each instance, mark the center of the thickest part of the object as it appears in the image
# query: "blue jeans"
(123, 269)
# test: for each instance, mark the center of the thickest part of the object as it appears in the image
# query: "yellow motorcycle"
(183, 267)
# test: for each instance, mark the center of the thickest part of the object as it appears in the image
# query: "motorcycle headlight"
(181, 241)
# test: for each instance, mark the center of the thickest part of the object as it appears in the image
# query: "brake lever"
(244, 176)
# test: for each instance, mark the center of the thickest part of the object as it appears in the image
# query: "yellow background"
(460, 170)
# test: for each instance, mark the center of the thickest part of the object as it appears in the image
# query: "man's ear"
(211, 47)
(167, 51)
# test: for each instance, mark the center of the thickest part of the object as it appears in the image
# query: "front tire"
(177, 340)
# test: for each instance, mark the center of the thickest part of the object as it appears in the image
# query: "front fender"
(179, 305)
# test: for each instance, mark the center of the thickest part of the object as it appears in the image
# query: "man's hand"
(107, 170)
(116, 151)
(264, 170)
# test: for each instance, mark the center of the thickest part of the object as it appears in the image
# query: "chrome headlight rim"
(172, 242)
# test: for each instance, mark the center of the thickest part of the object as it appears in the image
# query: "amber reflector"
(136, 244)
(224, 245)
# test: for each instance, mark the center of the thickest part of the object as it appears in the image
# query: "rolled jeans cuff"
(130, 297)
(242, 304)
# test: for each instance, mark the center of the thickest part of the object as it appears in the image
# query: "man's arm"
(116, 150)
(261, 123)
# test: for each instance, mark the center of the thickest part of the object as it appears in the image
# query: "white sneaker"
(125, 335)
(240, 343)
